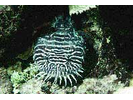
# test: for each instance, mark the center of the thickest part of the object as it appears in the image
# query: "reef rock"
(5, 83)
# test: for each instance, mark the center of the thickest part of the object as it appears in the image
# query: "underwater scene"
(66, 49)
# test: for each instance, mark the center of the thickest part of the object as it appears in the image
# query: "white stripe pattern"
(60, 56)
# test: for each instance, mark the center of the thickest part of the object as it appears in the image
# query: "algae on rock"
(5, 84)
(18, 78)
(78, 9)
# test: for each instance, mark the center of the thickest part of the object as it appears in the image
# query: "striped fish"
(60, 55)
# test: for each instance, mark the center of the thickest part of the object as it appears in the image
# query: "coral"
(18, 78)
(32, 86)
(35, 86)
(126, 90)
(107, 62)
(60, 55)
(57, 90)
(5, 84)
(76, 9)
(106, 85)
(9, 20)
(9, 25)
(17, 67)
